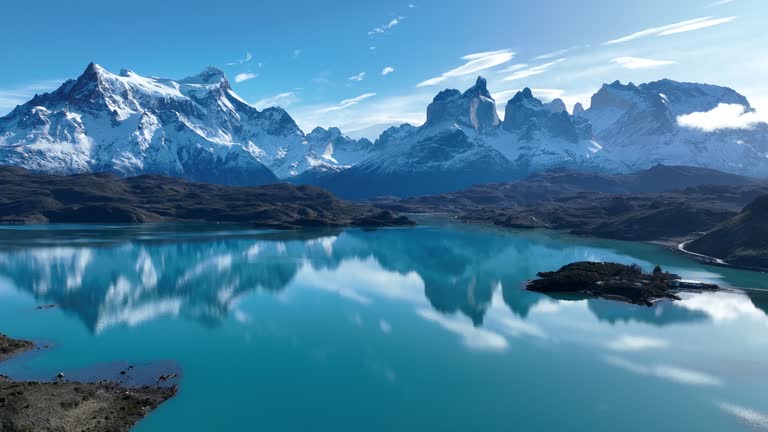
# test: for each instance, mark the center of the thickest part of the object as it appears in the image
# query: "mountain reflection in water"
(121, 275)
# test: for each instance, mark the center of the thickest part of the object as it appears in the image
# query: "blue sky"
(324, 61)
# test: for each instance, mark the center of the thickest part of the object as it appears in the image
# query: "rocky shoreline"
(60, 405)
(613, 281)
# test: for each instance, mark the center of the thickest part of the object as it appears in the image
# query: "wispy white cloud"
(721, 307)
(641, 63)
(552, 54)
(680, 27)
(392, 23)
(472, 337)
(370, 118)
(358, 77)
(10, 97)
(248, 57)
(346, 103)
(477, 62)
(282, 99)
(480, 55)
(432, 81)
(245, 77)
(536, 70)
(752, 418)
(670, 373)
(387, 70)
(724, 116)
(636, 343)
(718, 3)
(514, 67)
(697, 26)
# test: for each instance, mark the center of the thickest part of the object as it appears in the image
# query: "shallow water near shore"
(425, 328)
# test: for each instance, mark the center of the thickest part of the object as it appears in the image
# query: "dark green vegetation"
(611, 281)
(28, 198)
(742, 240)
(70, 406)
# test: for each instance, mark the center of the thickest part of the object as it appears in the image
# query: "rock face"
(742, 240)
(474, 109)
(104, 198)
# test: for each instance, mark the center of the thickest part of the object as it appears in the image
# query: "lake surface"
(420, 329)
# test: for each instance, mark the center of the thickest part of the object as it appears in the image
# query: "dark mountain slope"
(742, 240)
(106, 198)
(558, 183)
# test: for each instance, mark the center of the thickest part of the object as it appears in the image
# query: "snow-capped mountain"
(640, 126)
(463, 142)
(627, 128)
(196, 128)
(330, 151)
(541, 136)
(450, 151)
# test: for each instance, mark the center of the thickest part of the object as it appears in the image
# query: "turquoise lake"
(415, 329)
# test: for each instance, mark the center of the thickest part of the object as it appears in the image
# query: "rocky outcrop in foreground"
(28, 198)
(64, 406)
(10, 347)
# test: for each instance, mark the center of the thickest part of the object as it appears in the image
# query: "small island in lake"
(613, 281)
(61, 405)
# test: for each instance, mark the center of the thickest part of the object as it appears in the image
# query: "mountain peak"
(524, 95)
(619, 86)
(94, 68)
(446, 94)
(92, 72)
(556, 106)
(479, 89)
(474, 108)
(209, 75)
(578, 109)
